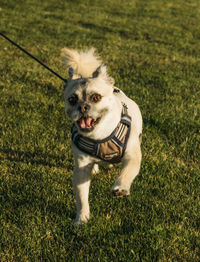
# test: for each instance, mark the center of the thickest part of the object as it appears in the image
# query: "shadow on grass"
(105, 29)
(35, 196)
(20, 205)
(32, 191)
(38, 158)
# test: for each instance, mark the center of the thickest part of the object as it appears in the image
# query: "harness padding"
(110, 149)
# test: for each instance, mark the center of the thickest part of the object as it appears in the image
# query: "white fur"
(85, 63)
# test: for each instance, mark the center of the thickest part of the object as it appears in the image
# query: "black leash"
(33, 57)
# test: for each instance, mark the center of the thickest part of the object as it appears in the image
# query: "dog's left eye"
(73, 100)
(95, 98)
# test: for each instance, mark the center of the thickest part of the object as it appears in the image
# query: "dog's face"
(89, 101)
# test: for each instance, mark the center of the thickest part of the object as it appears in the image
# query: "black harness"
(110, 149)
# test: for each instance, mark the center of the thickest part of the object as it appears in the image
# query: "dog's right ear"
(101, 71)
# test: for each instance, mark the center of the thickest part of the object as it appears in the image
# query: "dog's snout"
(83, 108)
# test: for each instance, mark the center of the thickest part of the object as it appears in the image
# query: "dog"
(106, 126)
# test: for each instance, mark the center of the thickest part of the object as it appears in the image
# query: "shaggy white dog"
(107, 126)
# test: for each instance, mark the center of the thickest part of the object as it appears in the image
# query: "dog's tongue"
(86, 122)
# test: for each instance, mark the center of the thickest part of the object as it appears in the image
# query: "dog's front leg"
(81, 184)
(131, 167)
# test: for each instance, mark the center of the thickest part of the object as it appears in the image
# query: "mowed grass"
(152, 49)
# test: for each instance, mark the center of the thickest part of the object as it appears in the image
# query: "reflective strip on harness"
(110, 149)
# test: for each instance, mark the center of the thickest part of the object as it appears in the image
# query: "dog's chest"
(110, 149)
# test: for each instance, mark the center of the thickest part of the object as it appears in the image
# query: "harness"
(110, 149)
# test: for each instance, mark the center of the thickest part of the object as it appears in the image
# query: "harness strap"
(110, 149)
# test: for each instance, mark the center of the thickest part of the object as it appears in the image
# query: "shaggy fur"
(83, 63)
(97, 120)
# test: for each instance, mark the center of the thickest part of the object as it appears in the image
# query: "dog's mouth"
(87, 124)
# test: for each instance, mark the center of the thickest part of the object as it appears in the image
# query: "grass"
(152, 50)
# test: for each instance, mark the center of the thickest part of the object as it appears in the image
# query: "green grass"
(153, 52)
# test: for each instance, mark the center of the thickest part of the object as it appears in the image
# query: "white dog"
(107, 126)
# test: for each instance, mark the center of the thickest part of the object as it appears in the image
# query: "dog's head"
(89, 98)
(88, 101)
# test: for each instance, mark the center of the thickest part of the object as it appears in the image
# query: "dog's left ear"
(72, 74)
(101, 71)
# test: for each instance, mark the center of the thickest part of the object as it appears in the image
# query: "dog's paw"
(120, 192)
(81, 219)
(95, 169)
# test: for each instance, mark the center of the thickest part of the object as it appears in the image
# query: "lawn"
(152, 49)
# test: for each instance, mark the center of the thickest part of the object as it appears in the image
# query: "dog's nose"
(83, 108)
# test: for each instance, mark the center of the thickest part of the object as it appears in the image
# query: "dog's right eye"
(73, 100)
(95, 98)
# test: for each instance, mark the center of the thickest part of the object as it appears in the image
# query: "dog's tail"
(83, 63)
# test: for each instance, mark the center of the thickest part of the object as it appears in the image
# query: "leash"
(33, 57)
